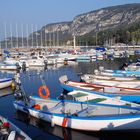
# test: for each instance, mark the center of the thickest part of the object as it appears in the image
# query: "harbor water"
(33, 78)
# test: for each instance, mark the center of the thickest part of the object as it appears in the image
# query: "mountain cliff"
(89, 24)
(92, 22)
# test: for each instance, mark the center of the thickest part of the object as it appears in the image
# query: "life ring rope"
(41, 88)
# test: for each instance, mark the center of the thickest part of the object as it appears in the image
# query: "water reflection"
(31, 81)
(66, 134)
(69, 134)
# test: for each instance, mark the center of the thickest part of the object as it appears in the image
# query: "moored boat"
(112, 81)
(90, 97)
(80, 115)
(117, 73)
(133, 66)
(4, 66)
(102, 85)
(36, 61)
(9, 131)
(90, 78)
(114, 74)
(109, 89)
(5, 82)
(127, 72)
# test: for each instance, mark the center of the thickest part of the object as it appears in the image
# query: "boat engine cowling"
(24, 66)
(96, 72)
(18, 66)
(18, 96)
(101, 68)
(46, 62)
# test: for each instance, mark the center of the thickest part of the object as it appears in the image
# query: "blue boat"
(123, 72)
(131, 96)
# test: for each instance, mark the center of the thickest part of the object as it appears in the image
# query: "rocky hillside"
(95, 21)
(85, 24)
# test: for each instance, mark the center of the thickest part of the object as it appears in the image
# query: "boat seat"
(85, 112)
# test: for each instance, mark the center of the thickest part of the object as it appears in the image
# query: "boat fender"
(13, 86)
(65, 121)
(41, 88)
(6, 125)
(37, 106)
(65, 62)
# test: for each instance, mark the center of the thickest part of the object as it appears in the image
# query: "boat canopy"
(100, 49)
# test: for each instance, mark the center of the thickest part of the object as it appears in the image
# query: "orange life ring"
(41, 88)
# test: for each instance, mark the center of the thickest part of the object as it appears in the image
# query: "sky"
(42, 12)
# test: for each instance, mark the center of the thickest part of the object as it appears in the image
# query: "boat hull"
(123, 72)
(8, 67)
(13, 127)
(127, 97)
(5, 82)
(127, 122)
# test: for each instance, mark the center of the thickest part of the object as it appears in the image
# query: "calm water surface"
(40, 130)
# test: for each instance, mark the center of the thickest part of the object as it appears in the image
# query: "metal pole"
(27, 33)
(36, 37)
(11, 35)
(45, 36)
(32, 35)
(5, 35)
(22, 34)
(50, 41)
(41, 38)
(74, 42)
(17, 35)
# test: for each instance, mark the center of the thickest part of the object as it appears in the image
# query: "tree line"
(129, 35)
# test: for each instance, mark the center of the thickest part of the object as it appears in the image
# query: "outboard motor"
(18, 67)
(18, 93)
(101, 68)
(55, 61)
(46, 64)
(96, 72)
(65, 61)
(24, 66)
(130, 61)
(124, 66)
(18, 96)
(66, 97)
(138, 60)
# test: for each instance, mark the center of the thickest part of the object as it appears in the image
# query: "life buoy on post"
(41, 88)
